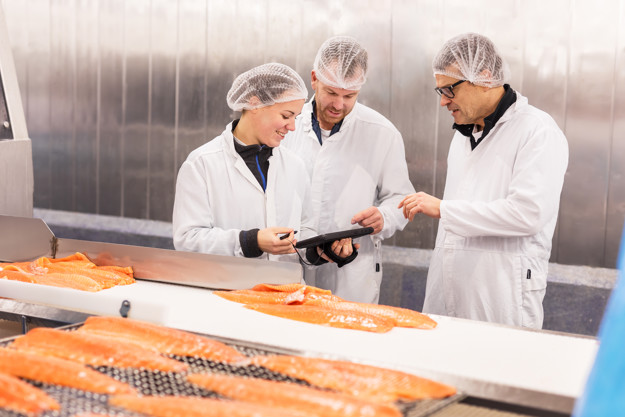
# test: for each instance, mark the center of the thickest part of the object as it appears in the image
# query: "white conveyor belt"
(532, 368)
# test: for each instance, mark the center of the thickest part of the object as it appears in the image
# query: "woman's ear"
(254, 102)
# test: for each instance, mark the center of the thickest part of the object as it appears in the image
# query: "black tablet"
(331, 237)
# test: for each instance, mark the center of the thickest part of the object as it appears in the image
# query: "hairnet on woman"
(240, 192)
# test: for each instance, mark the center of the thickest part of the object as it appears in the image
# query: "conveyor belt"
(147, 382)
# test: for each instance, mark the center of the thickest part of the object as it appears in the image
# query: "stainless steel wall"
(118, 92)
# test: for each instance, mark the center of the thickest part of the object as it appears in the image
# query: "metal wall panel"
(117, 93)
(589, 100)
(62, 95)
(616, 190)
(85, 132)
(136, 130)
(111, 23)
(416, 26)
(38, 95)
(191, 108)
(161, 182)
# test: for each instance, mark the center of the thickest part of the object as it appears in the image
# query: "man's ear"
(313, 79)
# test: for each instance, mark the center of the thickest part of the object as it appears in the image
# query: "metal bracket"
(125, 308)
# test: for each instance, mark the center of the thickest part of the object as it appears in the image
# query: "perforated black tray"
(148, 382)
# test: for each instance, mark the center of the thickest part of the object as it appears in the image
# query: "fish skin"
(365, 381)
(57, 371)
(160, 338)
(174, 406)
(402, 317)
(292, 396)
(90, 349)
(20, 396)
(325, 316)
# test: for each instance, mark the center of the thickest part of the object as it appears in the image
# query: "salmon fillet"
(59, 371)
(22, 397)
(75, 271)
(365, 381)
(171, 406)
(289, 288)
(292, 396)
(354, 320)
(162, 339)
(90, 349)
(256, 297)
(402, 317)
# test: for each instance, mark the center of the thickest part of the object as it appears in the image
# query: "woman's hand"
(342, 248)
(269, 240)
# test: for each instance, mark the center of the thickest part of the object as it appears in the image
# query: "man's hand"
(269, 240)
(370, 217)
(421, 203)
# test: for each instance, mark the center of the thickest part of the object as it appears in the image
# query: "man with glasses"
(356, 161)
(505, 171)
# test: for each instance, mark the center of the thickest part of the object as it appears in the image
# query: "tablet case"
(331, 237)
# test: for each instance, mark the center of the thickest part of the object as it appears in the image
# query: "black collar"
(490, 121)
(315, 124)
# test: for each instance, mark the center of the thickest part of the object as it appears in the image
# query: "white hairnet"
(265, 85)
(341, 63)
(474, 58)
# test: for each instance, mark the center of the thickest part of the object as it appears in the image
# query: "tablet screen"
(331, 237)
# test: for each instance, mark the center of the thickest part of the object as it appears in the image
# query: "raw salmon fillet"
(365, 381)
(162, 339)
(22, 397)
(91, 349)
(58, 371)
(402, 317)
(292, 396)
(171, 406)
(327, 316)
(290, 288)
(254, 297)
(75, 271)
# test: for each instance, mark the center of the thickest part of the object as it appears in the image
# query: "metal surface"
(16, 162)
(118, 93)
(32, 239)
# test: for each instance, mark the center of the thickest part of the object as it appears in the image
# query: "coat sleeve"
(394, 184)
(532, 199)
(193, 219)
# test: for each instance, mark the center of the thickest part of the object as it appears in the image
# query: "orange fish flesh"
(326, 316)
(160, 338)
(90, 349)
(402, 317)
(59, 371)
(290, 288)
(75, 271)
(173, 406)
(365, 381)
(253, 297)
(22, 397)
(292, 396)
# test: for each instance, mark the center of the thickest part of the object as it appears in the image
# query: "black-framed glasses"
(449, 90)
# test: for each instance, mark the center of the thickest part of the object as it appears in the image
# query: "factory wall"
(118, 92)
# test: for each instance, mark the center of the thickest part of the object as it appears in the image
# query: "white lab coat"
(498, 216)
(217, 196)
(360, 166)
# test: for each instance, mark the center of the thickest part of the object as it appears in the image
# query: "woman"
(240, 193)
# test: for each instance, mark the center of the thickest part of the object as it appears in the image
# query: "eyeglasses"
(449, 90)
